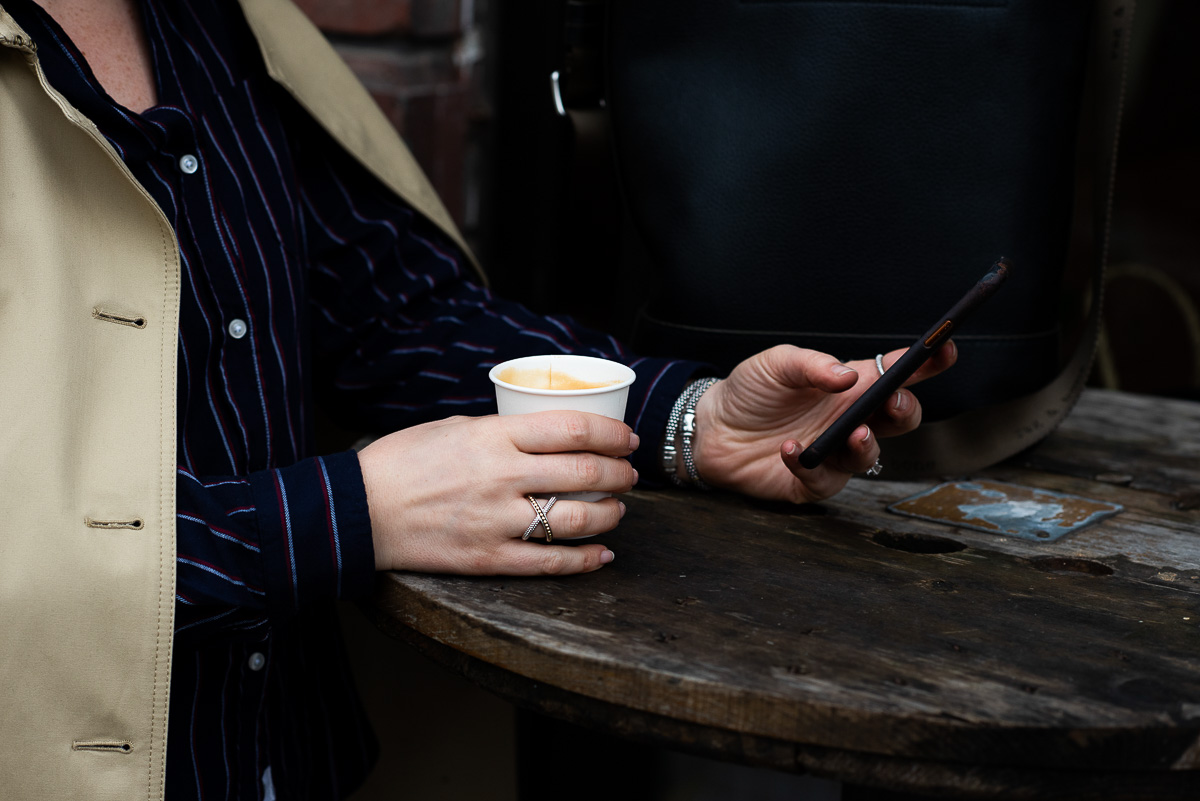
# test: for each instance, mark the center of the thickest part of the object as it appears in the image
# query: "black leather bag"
(836, 174)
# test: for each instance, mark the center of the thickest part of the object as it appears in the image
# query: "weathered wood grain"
(880, 648)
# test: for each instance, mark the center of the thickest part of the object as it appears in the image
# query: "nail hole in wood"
(917, 543)
(1058, 564)
(938, 585)
(1146, 691)
(1186, 501)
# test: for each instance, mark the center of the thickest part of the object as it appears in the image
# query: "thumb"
(801, 368)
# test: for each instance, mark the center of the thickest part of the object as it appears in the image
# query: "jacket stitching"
(166, 500)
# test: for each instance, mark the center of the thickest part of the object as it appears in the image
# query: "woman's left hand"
(752, 426)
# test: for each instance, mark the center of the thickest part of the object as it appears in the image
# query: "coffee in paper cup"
(563, 382)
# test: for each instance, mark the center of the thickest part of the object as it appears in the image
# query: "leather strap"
(981, 437)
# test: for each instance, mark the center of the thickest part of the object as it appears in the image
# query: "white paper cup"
(535, 393)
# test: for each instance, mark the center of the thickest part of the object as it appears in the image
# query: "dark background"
(467, 83)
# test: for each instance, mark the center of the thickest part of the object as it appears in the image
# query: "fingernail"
(634, 441)
(841, 369)
(622, 505)
(901, 402)
(953, 349)
(866, 434)
(606, 557)
(635, 476)
(790, 449)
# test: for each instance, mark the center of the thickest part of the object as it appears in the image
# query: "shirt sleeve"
(403, 334)
(262, 547)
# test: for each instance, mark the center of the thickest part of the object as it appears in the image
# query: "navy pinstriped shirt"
(306, 284)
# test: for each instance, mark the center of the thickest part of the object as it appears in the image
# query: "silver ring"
(875, 469)
(879, 362)
(540, 519)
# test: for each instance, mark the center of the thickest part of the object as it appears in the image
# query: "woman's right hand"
(449, 496)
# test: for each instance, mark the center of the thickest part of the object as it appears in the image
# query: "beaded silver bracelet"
(670, 453)
(677, 439)
(688, 428)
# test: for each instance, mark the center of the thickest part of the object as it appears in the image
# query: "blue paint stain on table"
(1004, 509)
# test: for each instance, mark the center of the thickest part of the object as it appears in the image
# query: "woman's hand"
(752, 426)
(449, 496)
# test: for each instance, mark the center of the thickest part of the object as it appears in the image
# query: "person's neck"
(111, 37)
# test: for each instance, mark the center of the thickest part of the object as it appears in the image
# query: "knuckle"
(555, 562)
(804, 494)
(475, 562)
(587, 470)
(575, 519)
(479, 562)
(818, 488)
(576, 432)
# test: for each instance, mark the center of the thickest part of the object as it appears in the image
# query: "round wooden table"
(884, 650)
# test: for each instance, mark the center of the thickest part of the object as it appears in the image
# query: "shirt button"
(237, 329)
(189, 164)
(257, 660)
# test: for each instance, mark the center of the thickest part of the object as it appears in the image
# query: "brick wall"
(424, 63)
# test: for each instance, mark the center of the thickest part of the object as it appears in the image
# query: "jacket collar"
(11, 34)
(291, 47)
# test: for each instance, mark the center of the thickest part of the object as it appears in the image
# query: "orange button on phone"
(940, 334)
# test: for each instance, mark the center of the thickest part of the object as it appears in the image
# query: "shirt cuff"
(315, 532)
(659, 382)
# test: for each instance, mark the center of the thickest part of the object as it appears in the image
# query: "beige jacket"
(89, 295)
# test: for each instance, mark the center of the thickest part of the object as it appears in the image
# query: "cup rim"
(494, 373)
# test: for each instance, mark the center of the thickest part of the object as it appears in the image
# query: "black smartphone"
(895, 376)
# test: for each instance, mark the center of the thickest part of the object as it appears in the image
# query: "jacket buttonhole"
(119, 319)
(136, 524)
(110, 746)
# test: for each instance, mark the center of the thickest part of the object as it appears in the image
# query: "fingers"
(499, 550)
(902, 412)
(570, 519)
(570, 452)
(556, 473)
(858, 455)
(942, 359)
(518, 558)
(562, 432)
